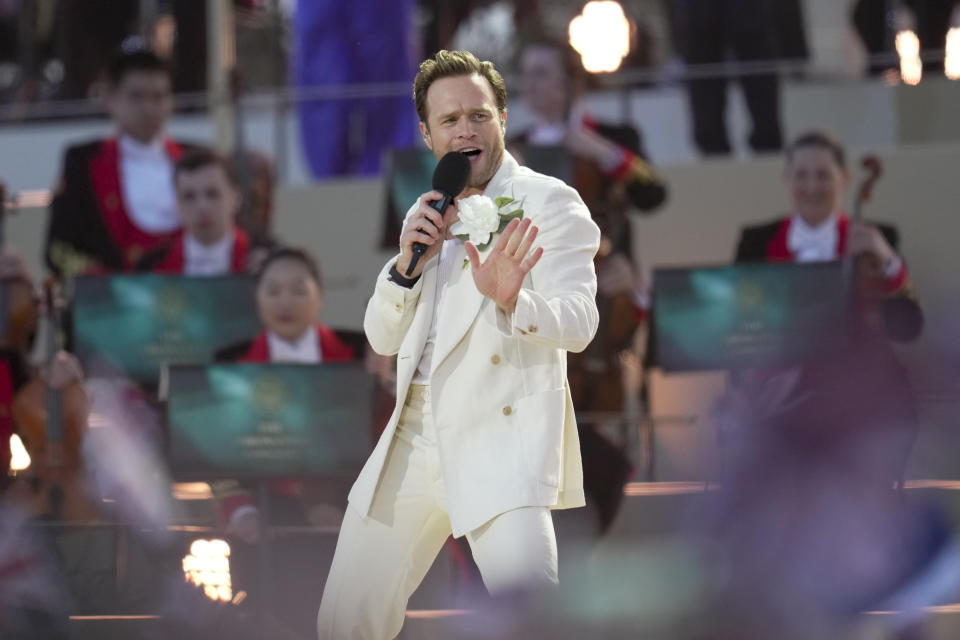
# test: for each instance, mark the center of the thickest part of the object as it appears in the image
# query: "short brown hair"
(449, 64)
(819, 140)
(200, 158)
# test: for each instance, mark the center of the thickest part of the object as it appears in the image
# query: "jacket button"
(532, 328)
(495, 359)
(507, 411)
(399, 307)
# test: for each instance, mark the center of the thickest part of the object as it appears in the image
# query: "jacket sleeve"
(391, 309)
(902, 315)
(559, 309)
(77, 240)
(390, 312)
(750, 247)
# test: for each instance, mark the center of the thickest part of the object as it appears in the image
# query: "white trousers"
(381, 559)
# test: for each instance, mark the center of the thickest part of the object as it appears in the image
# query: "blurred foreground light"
(601, 35)
(191, 491)
(908, 48)
(19, 458)
(951, 61)
(208, 566)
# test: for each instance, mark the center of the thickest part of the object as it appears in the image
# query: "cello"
(861, 273)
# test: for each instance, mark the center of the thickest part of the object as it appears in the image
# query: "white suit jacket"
(505, 426)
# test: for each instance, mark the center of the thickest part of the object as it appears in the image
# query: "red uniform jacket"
(90, 229)
(170, 258)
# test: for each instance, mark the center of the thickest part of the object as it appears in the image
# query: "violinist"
(210, 243)
(551, 79)
(22, 385)
(613, 176)
(13, 366)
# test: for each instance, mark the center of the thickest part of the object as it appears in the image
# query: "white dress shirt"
(203, 260)
(305, 350)
(813, 244)
(146, 173)
(445, 263)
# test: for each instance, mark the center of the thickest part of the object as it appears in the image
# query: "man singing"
(482, 442)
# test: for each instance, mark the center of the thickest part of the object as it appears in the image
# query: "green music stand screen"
(267, 420)
(132, 325)
(752, 315)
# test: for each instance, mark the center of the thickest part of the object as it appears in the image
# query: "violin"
(52, 423)
(595, 375)
(18, 304)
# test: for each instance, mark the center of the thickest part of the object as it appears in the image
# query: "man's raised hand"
(500, 276)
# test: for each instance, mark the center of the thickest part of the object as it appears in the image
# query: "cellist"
(811, 453)
(863, 387)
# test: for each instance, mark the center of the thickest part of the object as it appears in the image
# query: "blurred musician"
(612, 175)
(115, 199)
(818, 229)
(289, 300)
(811, 452)
(210, 243)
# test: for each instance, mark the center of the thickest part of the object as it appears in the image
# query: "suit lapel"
(409, 356)
(777, 248)
(462, 301)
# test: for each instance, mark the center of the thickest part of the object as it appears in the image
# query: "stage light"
(908, 48)
(208, 566)
(19, 458)
(601, 35)
(951, 62)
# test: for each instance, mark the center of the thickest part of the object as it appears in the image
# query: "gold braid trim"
(640, 171)
(69, 261)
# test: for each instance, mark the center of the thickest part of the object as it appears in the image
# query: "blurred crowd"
(54, 50)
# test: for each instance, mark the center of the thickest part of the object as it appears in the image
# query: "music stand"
(131, 325)
(749, 315)
(263, 422)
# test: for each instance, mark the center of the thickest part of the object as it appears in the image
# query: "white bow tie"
(813, 244)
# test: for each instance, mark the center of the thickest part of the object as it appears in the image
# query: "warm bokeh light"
(208, 566)
(908, 48)
(19, 458)
(191, 491)
(601, 35)
(951, 61)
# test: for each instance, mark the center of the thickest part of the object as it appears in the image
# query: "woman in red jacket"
(289, 299)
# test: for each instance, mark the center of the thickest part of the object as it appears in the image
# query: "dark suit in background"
(90, 229)
(707, 32)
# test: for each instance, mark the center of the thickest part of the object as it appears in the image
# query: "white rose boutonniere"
(481, 218)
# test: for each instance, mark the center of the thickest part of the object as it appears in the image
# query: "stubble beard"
(490, 168)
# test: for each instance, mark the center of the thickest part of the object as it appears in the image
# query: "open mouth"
(471, 152)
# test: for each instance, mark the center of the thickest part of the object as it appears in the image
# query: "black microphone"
(449, 178)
